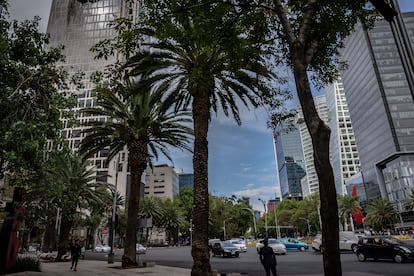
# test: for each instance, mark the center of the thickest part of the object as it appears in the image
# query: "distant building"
(186, 180)
(344, 152)
(307, 147)
(381, 104)
(161, 181)
(272, 204)
(289, 159)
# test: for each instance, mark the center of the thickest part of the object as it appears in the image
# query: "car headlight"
(405, 249)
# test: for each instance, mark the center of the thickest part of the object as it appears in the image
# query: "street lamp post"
(112, 233)
(254, 221)
(264, 206)
(277, 225)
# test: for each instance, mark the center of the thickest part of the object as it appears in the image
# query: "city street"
(294, 262)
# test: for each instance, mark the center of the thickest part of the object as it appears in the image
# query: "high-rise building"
(344, 152)
(381, 105)
(161, 181)
(78, 25)
(289, 159)
(307, 147)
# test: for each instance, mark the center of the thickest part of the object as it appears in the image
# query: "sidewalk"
(92, 268)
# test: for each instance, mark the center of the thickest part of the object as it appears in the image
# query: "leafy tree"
(209, 57)
(30, 104)
(140, 121)
(380, 214)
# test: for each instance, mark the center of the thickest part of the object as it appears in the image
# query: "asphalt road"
(294, 262)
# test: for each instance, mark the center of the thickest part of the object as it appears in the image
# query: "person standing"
(75, 252)
(268, 258)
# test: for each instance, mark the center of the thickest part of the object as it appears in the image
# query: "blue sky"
(241, 158)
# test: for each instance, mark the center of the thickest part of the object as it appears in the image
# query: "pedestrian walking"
(75, 252)
(268, 258)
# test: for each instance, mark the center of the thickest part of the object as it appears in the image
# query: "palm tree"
(150, 207)
(171, 218)
(141, 122)
(71, 186)
(409, 202)
(380, 213)
(348, 205)
(199, 70)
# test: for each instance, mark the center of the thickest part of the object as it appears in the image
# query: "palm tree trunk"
(138, 161)
(49, 236)
(320, 134)
(65, 227)
(199, 250)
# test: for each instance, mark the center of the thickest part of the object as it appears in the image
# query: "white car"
(347, 241)
(102, 248)
(240, 244)
(140, 248)
(276, 245)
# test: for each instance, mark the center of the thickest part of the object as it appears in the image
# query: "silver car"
(275, 244)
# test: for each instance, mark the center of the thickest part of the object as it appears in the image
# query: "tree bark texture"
(199, 250)
(137, 158)
(320, 134)
(49, 236)
(65, 227)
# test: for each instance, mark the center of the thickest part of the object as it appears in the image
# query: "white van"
(347, 241)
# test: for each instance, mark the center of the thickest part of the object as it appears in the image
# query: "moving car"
(385, 247)
(240, 244)
(102, 248)
(292, 243)
(140, 248)
(347, 241)
(276, 245)
(225, 249)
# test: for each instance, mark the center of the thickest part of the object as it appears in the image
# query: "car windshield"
(226, 243)
(272, 241)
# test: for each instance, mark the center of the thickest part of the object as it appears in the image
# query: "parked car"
(347, 241)
(292, 243)
(211, 242)
(225, 249)
(276, 245)
(140, 248)
(385, 247)
(102, 248)
(240, 244)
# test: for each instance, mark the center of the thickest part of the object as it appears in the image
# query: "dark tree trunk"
(320, 134)
(199, 250)
(138, 161)
(49, 236)
(65, 228)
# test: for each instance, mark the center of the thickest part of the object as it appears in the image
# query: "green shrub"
(25, 263)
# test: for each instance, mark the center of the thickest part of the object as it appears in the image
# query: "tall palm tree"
(171, 219)
(380, 213)
(347, 205)
(140, 121)
(71, 186)
(195, 67)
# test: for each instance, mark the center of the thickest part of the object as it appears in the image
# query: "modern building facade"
(289, 159)
(381, 105)
(307, 147)
(186, 180)
(78, 25)
(344, 152)
(161, 181)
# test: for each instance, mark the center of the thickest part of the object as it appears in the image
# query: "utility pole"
(265, 215)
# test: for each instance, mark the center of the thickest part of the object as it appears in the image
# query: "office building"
(289, 159)
(186, 180)
(78, 26)
(307, 147)
(161, 181)
(381, 106)
(344, 152)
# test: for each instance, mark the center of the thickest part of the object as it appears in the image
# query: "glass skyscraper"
(381, 105)
(78, 25)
